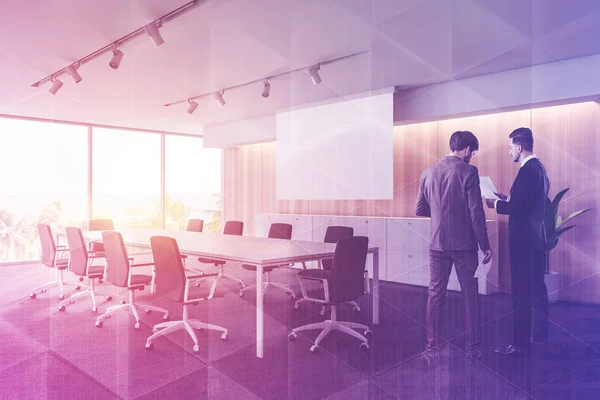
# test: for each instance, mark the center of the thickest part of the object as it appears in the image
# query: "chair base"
(333, 324)
(91, 291)
(267, 283)
(188, 324)
(354, 304)
(133, 309)
(58, 281)
(216, 279)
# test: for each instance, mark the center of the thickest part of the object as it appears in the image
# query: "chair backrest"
(347, 279)
(48, 245)
(332, 235)
(78, 255)
(101, 225)
(280, 231)
(195, 225)
(233, 228)
(117, 264)
(169, 269)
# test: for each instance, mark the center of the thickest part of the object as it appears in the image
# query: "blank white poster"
(339, 151)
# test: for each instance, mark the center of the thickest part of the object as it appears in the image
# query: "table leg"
(259, 312)
(375, 291)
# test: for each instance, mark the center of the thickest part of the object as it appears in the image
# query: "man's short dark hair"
(460, 140)
(523, 137)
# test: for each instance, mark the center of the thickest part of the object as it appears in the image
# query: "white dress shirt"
(531, 157)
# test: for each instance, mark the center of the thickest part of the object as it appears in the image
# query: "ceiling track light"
(72, 70)
(117, 57)
(219, 97)
(192, 107)
(56, 85)
(151, 29)
(313, 71)
(267, 88)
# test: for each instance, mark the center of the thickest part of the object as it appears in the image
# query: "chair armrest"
(184, 255)
(141, 265)
(305, 295)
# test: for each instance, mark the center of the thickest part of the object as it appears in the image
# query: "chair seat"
(62, 263)
(210, 261)
(140, 280)
(96, 271)
(251, 267)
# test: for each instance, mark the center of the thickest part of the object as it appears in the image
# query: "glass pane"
(126, 177)
(44, 180)
(193, 183)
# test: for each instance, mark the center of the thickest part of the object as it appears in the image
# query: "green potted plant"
(555, 227)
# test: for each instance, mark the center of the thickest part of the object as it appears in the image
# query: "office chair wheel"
(166, 317)
(364, 346)
(100, 280)
(61, 297)
(62, 308)
(242, 284)
(293, 296)
(77, 287)
(241, 294)
(109, 298)
(369, 335)
(322, 310)
(356, 309)
(292, 336)
(224, 336)
(44, 290)
(136, 326)
(94, 310)
(80, 279)
(122, 301)
(148, 311)
(99, 324)
(33, 295)
(150, 346)
(196, 348)
(71, 301)
(314, 349)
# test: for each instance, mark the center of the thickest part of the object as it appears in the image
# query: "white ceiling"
(222, 43)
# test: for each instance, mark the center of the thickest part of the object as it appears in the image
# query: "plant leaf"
(559, 197)
(561, 231)
(557, 222)
(573, 215)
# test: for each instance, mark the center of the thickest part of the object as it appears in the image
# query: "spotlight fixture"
(192, 107)
(313, 71)
(152, 31)
(72, 70)
(219, 97)
(115, 60)
(56, 85)
(267, 88)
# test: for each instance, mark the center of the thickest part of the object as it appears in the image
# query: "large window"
(44, 180)
(192, 183)
(126, 171)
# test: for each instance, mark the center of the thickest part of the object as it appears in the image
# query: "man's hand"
(490, 202)
(487, 256)
(502, 197)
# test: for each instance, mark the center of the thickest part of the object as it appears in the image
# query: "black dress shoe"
(512, 349)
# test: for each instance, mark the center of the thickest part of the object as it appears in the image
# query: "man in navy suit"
(527, 243)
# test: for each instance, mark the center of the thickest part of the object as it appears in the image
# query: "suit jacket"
(528, 200)
(449, 193)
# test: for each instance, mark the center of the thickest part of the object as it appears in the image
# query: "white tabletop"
(232, 248)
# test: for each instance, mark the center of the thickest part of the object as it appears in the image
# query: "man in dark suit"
(449, 193)
(527, 242)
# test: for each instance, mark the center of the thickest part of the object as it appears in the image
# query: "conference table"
(259, 251)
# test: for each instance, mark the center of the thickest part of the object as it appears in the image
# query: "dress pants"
(530, 296)
(440, 265)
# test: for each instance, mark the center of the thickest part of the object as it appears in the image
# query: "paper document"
(487, 188)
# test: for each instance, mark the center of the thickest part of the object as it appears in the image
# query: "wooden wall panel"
(567, 140)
